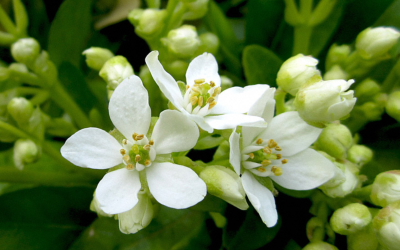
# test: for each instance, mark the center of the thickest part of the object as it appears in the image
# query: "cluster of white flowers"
(268, 146)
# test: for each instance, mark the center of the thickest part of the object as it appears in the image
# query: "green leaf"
(171, 229)
(69, 32)
(391, 16)
(252, 234)
(260, 65)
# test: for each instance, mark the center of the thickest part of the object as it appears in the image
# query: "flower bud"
(366, 89)
(209, 42)
(319, 245)
(375, 43)
(337, 54)
(226, 83)
(393, 105)
(385, 189)
(177, 69)
(138, 217)
(296, 71)
(4, 73)
(25, 50)
(325, 101)
(148, 23)
(95, 207)
(387, 226)
(20, 109)
(360, 155)
(225, 184)
(182, 42)
(25, 152)
(195, 9)
(364, 239)
(45, 68)
(344, 182)
(350, 219)
(115, 70)
(372, 111)
(335, 73)
(96, 57)
(335, 139)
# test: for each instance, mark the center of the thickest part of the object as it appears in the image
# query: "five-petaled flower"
(172, 185)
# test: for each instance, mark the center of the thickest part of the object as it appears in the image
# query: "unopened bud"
(366, 89)
(335, 139)
(337, 54)
(319, 245)
(375, 43)
(364, 239)
(195, 9)
(115, 70)
(226, 83)
(148, 23)
(25, 152)
(225, 184)
(4, 73)
(209, 42)
(177, 69)
(20, 109)
(344, 182)
(96, 57)
(296, 71)
(25, 50)
(385, 189)
(335, 73)
(387, 226)
(393, 105)
(182, 42)
(350, 219)
(138, 217)
(372, 111)
(360, 155)
(45, 68)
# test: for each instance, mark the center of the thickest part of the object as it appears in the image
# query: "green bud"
(364, 239)
(95, 207)
(335, 139)
(25, 152)
(336, 72)
(182, 42)
(20, 109)
(385, 189)
(115, 70)
(45, 68)
(350, 219)
(393, 105)
(375, 43)
(225, 184)
(195, 9)
(296, 71)
(177, 69)
(226, 83)
(18, 67)
(209, 42)
(387, 226)
(4, 73)
(337, 187)
(337, 55)
(360, 155)
(319, 245)
(372, 111)
(366, 89)
(148, 23)
(25, 50)
(96, 57)
(138, 217)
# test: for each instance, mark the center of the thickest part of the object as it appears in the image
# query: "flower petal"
(129, 107)
(203, 67)
(201, 122)
(291, 133)
(234, 120)
(174, 132)
(261, 198)
(305, 170)
(174, 185)
(92, 148)
(165, 81)
(234, 152)
(239, 100)
(117, 191)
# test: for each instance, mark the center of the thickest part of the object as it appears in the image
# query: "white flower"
(203, 101)
(280, 152)
(172, 185)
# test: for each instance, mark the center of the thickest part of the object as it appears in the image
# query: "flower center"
(139, 154)
(201, 97)
(269, 157)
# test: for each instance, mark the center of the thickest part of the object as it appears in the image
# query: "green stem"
(280, 101)
(302, 37)
(153, 4)
(392, 79)
(6, 22)
(363, 193)
(40, 98)
(26, 77)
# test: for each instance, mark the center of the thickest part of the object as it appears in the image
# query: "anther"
(212, 105)
(277, 148)
(278, 156)
(151, 142)
(139, 137)
(210, 100)
(187, 87)
(199, 80)
(261, 169)
(124, 141)
(265, 163)
(267, 150)
(200, 103)
(137, 158)
(251, 155)
(122, 151)
(134, 136)
(146, 147)
(129, 166)
(126, 159)
(147, 162)
(278, 171)
(272, 143)
(217, 91)
(212, 84)
(259, 141)
(284, 161)
(196, 89)
(193, 100)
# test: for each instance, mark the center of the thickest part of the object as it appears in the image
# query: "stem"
(280, 101)
(363, 193)
(40, 98)
(6, 22)
(302, 37)
(392, 78)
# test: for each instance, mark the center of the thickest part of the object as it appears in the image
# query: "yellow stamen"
(147, 162)
(126, 159)
(265, 163)
(261, 169)
(212, 84)
(277, 148)
(217, 91)
(251, 155)
(151, 142)
(137, 158)
(277, 171)
(200, 103)
(134, 136)
(196, 89)
(284, 161)
(124, 141)
(146, 147)
(212, 105)
(194, 100)
(199, 80)
(267, 150)
(129, 166)
(210, 100)
(278, 156)
(259, 141)
(272, 143)
(122, 151)
(187, 87)
(139, 137)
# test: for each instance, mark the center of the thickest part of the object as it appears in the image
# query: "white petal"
(165, 81)
(250, 164)
(239, 100)
(305, 170)
(129, 107)
(117, 191)
(234, 120)
(174, 132)
(203, 67)
(174, 185)
(92, 148)
(234, 152)
(291, 133)
(201, 122)
(261, 198)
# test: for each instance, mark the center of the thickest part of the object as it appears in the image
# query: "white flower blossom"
(203, 101)
(172, 185)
